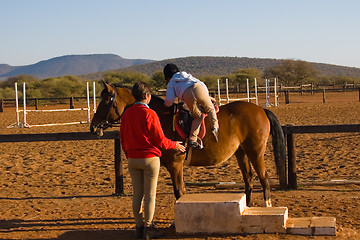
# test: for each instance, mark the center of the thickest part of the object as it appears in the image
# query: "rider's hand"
(180, 147)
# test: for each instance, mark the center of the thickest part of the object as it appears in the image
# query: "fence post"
(359, 94)
(312, 89)
(324, 95)
(2, 104)
(72, 103)
(292, 178)
(36, 104)
(119, 175)
(287, 93)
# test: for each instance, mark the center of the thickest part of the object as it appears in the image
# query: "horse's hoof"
(172, 225)
(99, 132)
(268, 203)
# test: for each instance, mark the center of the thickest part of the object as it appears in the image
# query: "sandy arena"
(64, 190)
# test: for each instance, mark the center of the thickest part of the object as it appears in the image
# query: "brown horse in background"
(244, 131)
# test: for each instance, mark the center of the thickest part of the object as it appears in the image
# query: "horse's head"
(111, 107)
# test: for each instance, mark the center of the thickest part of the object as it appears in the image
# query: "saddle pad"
(181, 132)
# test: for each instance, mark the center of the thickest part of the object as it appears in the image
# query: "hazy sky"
(326, 31)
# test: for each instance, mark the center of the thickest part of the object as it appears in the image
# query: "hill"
(201, 66)
(71, 65)
(94, 66)
(5, 68)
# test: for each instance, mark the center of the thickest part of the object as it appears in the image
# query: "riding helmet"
(169, 70)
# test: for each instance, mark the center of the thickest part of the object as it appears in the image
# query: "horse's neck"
(157, 104)
(126, 96)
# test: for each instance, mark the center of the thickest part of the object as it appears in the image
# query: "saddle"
(182, 121)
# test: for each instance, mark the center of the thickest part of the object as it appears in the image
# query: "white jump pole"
(275, 92)
(24, 105)
(256, 93)
(227, 90)
(248, 90)
(17, 124)
(17, 105)
(248, 98)
(88, 101)
(267, 90)
(57, 110)
(218, 82)
(94, 97)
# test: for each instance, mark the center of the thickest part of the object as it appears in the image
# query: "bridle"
(112, 104)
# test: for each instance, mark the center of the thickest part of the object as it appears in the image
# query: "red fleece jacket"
(141, 134)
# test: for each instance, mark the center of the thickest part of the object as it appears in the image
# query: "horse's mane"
(119, 85)
(157, 98)
(157, 104)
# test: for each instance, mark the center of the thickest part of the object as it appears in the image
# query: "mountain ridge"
(71, 65)
(95, 66)
(202, 66)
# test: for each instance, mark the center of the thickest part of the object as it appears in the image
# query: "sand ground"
(64, 190)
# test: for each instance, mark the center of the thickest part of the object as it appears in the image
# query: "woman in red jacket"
(141, 138)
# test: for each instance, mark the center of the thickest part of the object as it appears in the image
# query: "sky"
(325, 31)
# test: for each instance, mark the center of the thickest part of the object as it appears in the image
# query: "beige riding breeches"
(144, 174)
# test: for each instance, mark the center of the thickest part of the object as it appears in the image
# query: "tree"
(65, 86)
(210, 81)
(31, 86)
(158, 80)
(239, 77)
(125, 78)
(292, 72)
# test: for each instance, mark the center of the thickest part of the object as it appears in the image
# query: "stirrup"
(195, 144)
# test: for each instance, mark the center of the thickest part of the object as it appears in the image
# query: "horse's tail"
(279, 147)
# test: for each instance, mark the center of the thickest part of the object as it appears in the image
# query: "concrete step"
(265, 219)
(226, 213)
(312, 226)
(209, 213)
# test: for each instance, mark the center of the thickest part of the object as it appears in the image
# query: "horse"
(244, 130)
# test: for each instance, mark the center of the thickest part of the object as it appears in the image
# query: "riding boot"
(152, 233)
(194, 144)
(215, 133)
(139, 232)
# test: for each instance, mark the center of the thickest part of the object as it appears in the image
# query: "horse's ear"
(107, 86)
(104, 83)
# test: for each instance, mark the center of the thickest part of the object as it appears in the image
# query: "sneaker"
(215, 133)
(139, 232)
(194, 144)
(152, 233)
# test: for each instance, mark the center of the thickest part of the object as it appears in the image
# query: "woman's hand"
(180, 147)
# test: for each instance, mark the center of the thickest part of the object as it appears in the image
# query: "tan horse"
(244, 131)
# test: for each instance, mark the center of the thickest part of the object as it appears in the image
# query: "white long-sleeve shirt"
(179, 82)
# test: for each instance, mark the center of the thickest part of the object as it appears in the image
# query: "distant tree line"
(288, 72)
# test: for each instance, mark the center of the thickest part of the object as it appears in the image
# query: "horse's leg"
(176, 172)
(259, 166)
(246, 172)
(255, 154)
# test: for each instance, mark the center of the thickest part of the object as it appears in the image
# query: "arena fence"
(289, 130)
(74, 136)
